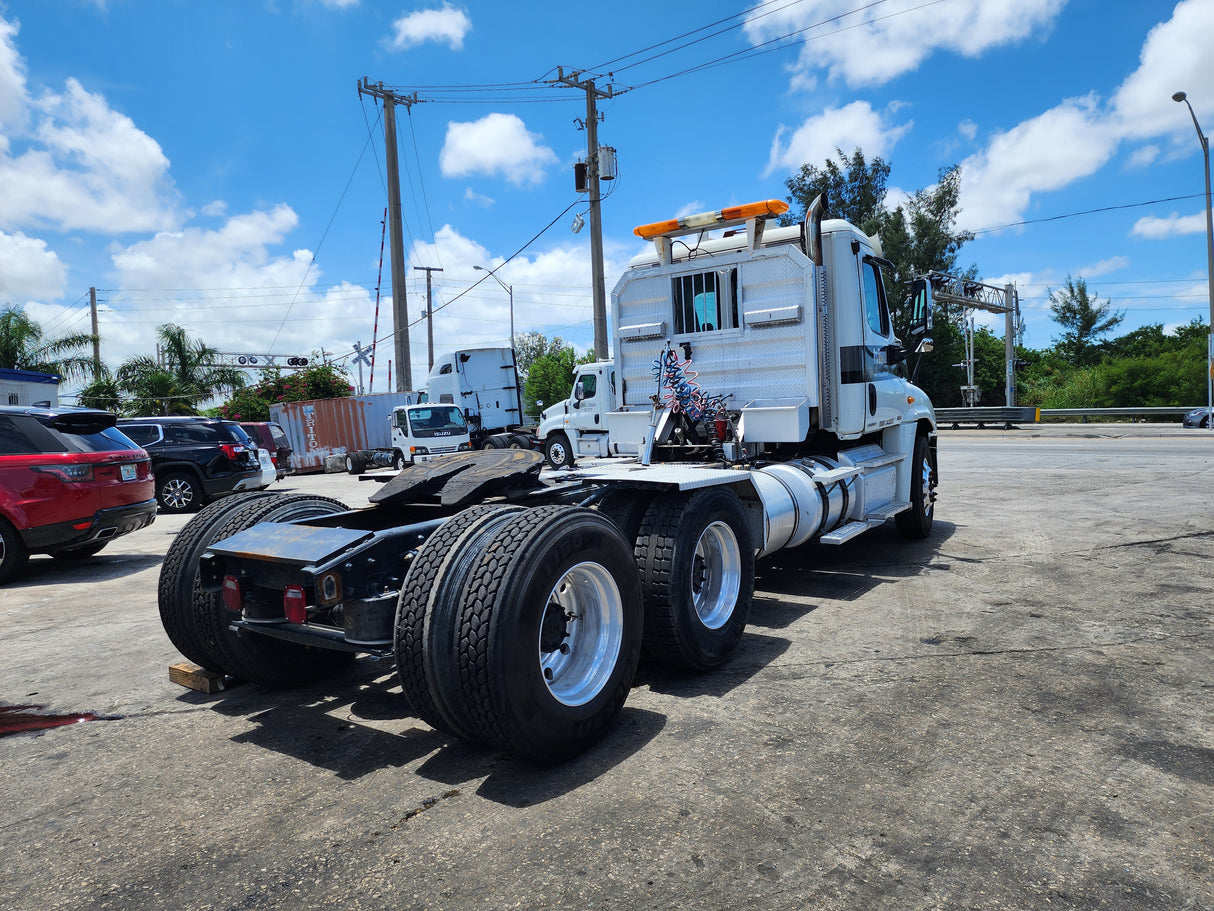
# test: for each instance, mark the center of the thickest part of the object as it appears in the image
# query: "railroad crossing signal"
(256, 361)
(362, 356)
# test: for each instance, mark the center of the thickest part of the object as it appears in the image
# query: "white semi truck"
(577, 427)
(758, 408)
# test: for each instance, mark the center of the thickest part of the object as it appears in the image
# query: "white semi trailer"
(758, 409)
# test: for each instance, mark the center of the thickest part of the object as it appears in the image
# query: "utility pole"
(429, 312)
(96, 333)
(598, 286)
(400, 308)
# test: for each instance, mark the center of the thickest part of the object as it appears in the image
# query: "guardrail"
(1030, 415)
(1146, 411)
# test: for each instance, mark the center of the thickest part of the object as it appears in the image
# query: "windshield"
(437, 420)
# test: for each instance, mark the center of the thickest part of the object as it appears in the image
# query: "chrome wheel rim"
(558, 453)
(581, 634)
(925, 486)
(178, 494)
(716, 575)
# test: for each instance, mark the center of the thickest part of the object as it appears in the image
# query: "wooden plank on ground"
(197, 678)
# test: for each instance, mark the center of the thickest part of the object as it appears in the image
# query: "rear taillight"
(231, 594)
(66, 472)
(233, 450)
(295, 604)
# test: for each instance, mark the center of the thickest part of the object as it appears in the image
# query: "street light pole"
(510, 293)
(1205, 149)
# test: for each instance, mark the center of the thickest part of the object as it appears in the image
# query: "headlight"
(419, 450)
(464, 447)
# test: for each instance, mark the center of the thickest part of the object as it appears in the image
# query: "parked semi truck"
(577, 427)
(758, 409)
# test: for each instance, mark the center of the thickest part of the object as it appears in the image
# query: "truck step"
(888, 458)
(845, 533)
(889, 510)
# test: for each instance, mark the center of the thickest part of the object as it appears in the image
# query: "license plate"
(128, 472)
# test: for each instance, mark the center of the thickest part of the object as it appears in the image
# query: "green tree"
(180, 382)
(531, 346)
(102, 392)
(551, 379)
(1083, 319)
(854, 188)
(24, 346)
(252, 403)
(919, 236)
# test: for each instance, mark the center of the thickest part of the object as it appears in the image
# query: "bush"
(253, 402)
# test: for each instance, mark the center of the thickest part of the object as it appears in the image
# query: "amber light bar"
(768, 208)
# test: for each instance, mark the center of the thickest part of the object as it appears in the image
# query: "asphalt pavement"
(1015, 713)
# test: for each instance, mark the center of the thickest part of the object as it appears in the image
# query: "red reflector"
(81, 526)
(231, 594)
(294, 604)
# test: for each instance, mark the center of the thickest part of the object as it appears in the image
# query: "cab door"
(883, 400)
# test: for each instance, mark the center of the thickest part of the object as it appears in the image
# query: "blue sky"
(212, 163)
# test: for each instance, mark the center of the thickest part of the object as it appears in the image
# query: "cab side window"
(875, 308)
(588, 385)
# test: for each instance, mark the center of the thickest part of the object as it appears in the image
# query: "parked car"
(1198, 417)
(272, 437)
(195, 459)
(70, 482)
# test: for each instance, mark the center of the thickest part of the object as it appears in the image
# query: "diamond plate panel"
(767, 360)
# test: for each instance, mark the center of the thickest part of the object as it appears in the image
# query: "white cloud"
(13, 97)
(1045, 153)
(1152, 227)
(1144, 156)
(85, 167)
(233, 256)
(28, 270)
(239, 295)
(447, 24)
(495, 144)
(1175, 57)
(873, 47)
(215, 207)
(1104, 267)
(853, 126)
(339, 4)
(485, 202)
(968, 129)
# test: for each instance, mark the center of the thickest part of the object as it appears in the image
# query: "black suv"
(195, 459)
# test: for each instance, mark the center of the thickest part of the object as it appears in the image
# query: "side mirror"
(921, 307)
(925, 346)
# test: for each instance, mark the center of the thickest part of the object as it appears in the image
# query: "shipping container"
(321, 428)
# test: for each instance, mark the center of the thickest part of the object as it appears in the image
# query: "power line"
(1129, 205)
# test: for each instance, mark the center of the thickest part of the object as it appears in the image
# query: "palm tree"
(177, 383)
(24, 346)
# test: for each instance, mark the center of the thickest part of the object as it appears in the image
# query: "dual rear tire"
(531, 630)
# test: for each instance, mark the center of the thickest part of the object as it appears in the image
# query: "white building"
(25, 387)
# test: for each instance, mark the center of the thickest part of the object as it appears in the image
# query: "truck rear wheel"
(550, 632)
(355, 463)
(916, 522)
(249, 656)
(433, 559)
(697, 562)
(178, 586)
(557, 451)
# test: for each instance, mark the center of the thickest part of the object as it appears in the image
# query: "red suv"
(70, 481)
